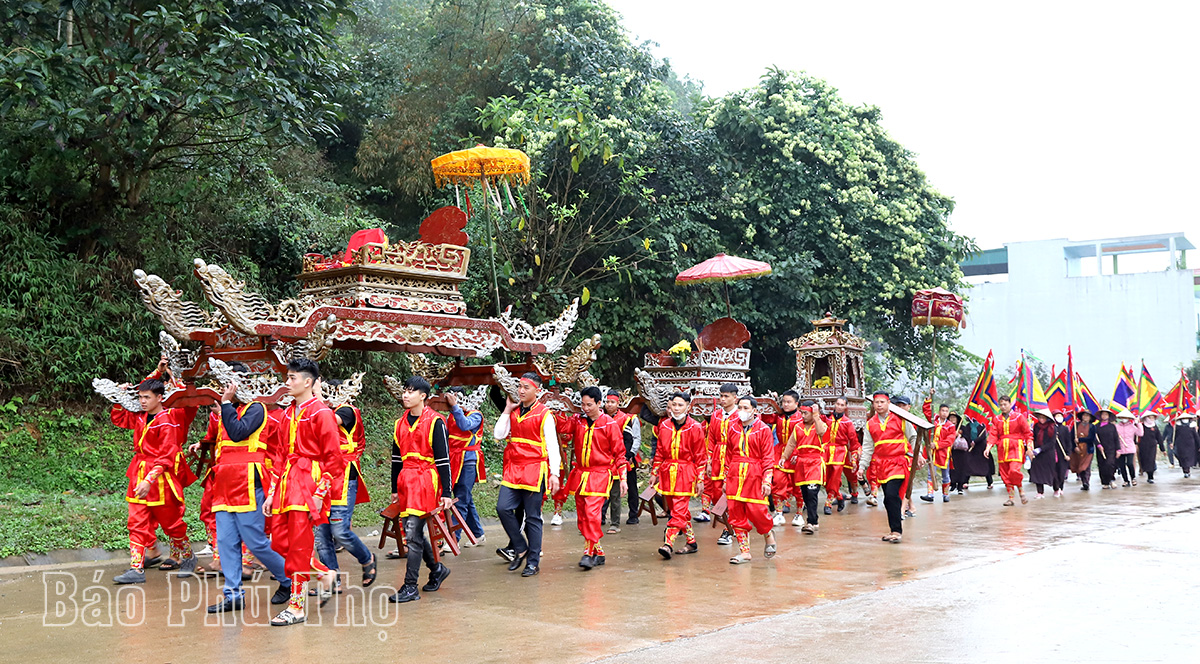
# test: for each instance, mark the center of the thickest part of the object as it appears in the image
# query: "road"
(1098, 576)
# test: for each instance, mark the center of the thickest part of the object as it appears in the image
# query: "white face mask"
(746, 415)
(679, 417)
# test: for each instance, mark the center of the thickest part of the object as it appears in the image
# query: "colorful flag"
(1148, 396)
(1125, 391)
(1084, 399)
(1027, 395)
(1056, 394)
(982, 404)
(1174, 399)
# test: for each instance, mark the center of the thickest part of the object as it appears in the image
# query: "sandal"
(769, 552)
(285, 618)
(169, 565)
(740, 559)
(201, 570)
(368, 576)
(394, 554)
(1024, 500)
(1008, 503)
(894, 539)
(326, 593)
(613, 529)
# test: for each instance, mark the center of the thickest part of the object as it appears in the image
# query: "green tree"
(817, 187)
(127, 89)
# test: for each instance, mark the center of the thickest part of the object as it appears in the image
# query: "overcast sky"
(1040, 119)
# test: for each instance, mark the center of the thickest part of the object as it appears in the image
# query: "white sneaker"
(556, 520)
(1039, 497)
(702, 517)
(778, 520)
(798, 520)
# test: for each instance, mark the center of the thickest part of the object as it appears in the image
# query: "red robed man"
(1010, 433)
(679, 460)
(599, 460)
(312, 464)
(157, 474)
(750, 456)
(841, 447)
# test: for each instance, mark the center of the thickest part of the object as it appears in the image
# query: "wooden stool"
(720, 513)
(438, 530)
(646, 504)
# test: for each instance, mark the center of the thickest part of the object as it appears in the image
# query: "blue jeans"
(466, 500)
(234, 528)
(338, 530)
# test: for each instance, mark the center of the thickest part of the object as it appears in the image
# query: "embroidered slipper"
(285, 618)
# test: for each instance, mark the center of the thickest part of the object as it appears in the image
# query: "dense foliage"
(146, 134)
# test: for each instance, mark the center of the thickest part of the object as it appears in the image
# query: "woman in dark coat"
(1148, 445)
(1065, 445)
(975, 463)
(1042, 468)
(1084, 434)
(1108, 441)
(1186, 442)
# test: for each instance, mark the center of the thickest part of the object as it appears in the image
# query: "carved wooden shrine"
(829, 364)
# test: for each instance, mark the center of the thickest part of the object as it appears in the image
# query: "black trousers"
(1108, 466)
(811, 493)
(892, 502)
(511, 504)
(419, 549)
(1125, 465)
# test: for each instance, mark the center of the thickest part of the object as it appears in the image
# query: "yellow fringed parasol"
(480, 164)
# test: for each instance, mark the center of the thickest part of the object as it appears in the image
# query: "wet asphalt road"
(1097, 577)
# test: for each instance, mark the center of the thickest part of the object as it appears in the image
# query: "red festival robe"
(461, 442)
(890, 459)
(599, 455)
(157, 443)
(311, 448)
(750, 455)
(679, 456)
(942, 437)
(235, 465)
(353, 443)
(418, 487)
(719, 428)
(841, 439)
(1010, 434)
(526, 462)
(810, 456)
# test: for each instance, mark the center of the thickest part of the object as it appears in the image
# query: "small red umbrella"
(725, 269)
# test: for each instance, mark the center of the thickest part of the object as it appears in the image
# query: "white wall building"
(1042, 296)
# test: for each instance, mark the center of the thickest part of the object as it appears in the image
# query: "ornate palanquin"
(829, 364)
(401, 297)
(720, 357)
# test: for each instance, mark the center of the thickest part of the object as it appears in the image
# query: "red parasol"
(723, 268)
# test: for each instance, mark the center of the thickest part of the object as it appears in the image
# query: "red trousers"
(850, 472)
(292, 538)
(587, 511)
(833, 481)
(679, 510)
(206, 516)
(144, 521)
(781, 488)
(743, 514)
(1012, 473)
(713, 490)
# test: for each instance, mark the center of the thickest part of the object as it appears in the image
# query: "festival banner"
(982, 404)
